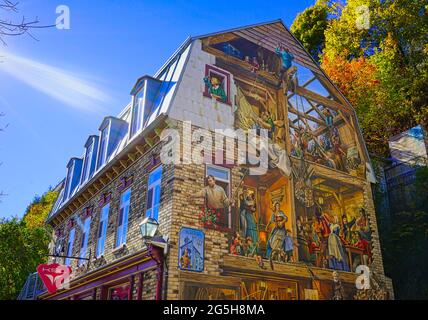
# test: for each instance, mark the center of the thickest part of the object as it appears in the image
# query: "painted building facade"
(229, 228)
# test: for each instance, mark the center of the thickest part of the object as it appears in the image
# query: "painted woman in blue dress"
(278, 233)
(335, 251)
(248, 221)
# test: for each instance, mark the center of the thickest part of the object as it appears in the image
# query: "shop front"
(137, 277)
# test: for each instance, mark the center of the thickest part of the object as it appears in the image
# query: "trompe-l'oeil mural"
(298, 211)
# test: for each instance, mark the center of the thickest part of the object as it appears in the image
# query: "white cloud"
(70, 89)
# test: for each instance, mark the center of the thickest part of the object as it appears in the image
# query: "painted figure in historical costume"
(337, 258)
(215, 88)
(185, 261)
(347, 226)
(247, 219)
(286, 59)
(255, 66)
(266, 122)
(362, 224)
(332, 149)
(300, 141)
(328, 117)
(248, 119)
(252, 250)
(364, 245)
(338, 292)
(278, 234)
(338, 152)
(321, 227)
(236, 246)
(304, 243)
(215, 197)
(275, 127)
(288, 246)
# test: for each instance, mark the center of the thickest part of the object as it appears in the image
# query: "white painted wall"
(190, 104)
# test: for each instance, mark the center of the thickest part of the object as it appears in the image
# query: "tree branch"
(9, 28)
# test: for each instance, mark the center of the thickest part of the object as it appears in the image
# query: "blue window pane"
(85, 237)
(155, 175)
(70, 246)
(102, 233)
(123, 217)
(157, 195)
(100, 230)
(222, 174)
(149, 199)
(156, 202)
(125, 226)
(153, 193)
(125, 196)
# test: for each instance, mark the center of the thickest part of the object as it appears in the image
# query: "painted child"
(252, 250)
(288, 246)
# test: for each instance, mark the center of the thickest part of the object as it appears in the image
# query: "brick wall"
(140, 170)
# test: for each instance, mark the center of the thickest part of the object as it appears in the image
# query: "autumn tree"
(388, 51)
(23, 245)
(381, 65)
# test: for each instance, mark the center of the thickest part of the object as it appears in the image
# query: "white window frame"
(102, 229)
(122, 229)
(153, 186)
(207, 166)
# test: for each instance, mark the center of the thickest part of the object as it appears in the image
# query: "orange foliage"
(355, 78)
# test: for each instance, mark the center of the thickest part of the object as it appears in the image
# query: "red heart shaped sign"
(54, 276)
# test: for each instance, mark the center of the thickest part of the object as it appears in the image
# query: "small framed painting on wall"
(191, 250)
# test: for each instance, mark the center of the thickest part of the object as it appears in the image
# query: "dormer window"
(91, 146)
(68, 182)
(113, 130)
(146, 92)
(74, 168)
(137, 111)
(102, 153)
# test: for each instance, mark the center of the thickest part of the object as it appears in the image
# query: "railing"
(32, 288)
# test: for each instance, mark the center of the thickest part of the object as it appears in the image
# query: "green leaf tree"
(24, 245)
(309, 27)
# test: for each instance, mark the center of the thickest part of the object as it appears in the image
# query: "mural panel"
(291, 213)
(191, 250)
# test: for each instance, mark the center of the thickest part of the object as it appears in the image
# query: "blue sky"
(56, 91)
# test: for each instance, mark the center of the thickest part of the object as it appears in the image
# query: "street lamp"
(148, 228)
